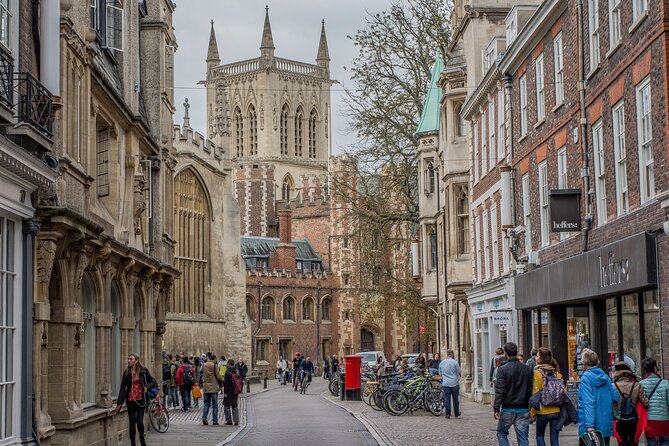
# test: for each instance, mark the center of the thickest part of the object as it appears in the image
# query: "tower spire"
(323, 56)
(212, 52)
(267, 43)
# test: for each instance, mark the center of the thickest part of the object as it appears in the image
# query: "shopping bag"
(593, 439)
(197, 393)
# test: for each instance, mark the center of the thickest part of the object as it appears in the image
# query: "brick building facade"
(605, 287)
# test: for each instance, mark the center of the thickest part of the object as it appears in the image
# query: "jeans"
(185, 396)
(210, 399)
(451, 392)
(542, 422)
(136, 421)
(165, 394)
(627, 432)
(657, 441)
(434, 371)
(174, 396)
(521, 424)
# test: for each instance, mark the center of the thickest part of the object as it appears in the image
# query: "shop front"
(494, 323)
(605, 299)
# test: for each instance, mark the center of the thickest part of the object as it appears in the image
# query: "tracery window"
(287, 188)
(463, 220)
(326, 307)
(312, 134)
(253, 131)
(298, 131)
(268, 308)
(192, 220)
(308, 309)
(289, 309)
(284, 129)
(239, 132)
(250, 307)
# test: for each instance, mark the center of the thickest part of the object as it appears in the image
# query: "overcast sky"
(296, 26)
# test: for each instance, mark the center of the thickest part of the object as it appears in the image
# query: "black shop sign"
(565, 209)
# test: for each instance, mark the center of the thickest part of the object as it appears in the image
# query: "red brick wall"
(28, 57)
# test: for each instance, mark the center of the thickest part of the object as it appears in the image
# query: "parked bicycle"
(159, 416)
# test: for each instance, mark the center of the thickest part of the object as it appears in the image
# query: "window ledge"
(268, 321)
(288, 321)
(539, 123)
(638, 22)
(557, 106)
(613, 49)
(308, 322)
(593, 72)
(522, 138)
(326, 322)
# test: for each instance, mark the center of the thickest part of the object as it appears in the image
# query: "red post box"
(353, 383)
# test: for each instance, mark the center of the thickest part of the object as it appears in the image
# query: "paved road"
(284, 417)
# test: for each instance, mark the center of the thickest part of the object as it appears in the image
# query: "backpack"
(167, 371)
(189, 376)
(626, 409)
(237, 383)
(552, 394)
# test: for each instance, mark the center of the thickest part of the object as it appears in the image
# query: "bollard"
(264, 382)
(248, 385)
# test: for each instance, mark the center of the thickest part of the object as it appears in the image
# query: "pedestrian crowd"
(188, 379)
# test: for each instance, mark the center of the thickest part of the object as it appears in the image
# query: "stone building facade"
(618, 120)
(206, 310)
(28, 89)
(104, 251)
(273, 114)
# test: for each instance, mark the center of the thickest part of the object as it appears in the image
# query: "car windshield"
(369, 357)
(412, 359)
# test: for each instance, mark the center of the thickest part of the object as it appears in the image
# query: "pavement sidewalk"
(475, 426)
(187, 428)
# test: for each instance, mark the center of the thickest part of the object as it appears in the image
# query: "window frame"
(103, 142)
(491, 135)
(283, 130)
(288, 304)
(494, 228)
(540, 87)
(593, 34)
(646, 165)
(253, 130)
(475, 142)
(267, 305)
(600, 171)
(620, 157)
(527, 211)
(615, 23)
(484, 143)
(544, 217)
(522, 97)
(114, 36)
(464, 238)
(477, 240)
(238, 121)
(558, 68)
(639, 7)
(486, 243)
(501, 147)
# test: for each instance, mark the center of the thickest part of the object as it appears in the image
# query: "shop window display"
(612, 331)
(630, 332)
(651, 314)
(578, 338)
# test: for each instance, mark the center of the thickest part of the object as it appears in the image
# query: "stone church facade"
(272, 116)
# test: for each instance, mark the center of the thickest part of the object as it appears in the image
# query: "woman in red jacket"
(133, 391)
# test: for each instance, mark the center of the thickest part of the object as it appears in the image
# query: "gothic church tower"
(272, 116)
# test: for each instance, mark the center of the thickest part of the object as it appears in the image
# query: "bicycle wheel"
(305, 385)
(395, 402)
(334, 386)
(376, 401)
(159, 417)
(435, 407)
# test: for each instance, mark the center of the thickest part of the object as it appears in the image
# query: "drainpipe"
(257, 330)
(583, 124)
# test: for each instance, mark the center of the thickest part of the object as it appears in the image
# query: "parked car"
(411, 359)
(370, 358)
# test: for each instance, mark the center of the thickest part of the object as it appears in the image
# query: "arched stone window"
(192, 221)
(326, 309)
(253, 131)
(239, 132)
(308, 309)
(299, 115)
(458, 121)
(430, 178)
(87, 342)
(284, 129)
(463, 220)
(312, 134)
(251, 307)
(287, 188)
(289, 308)
(268, 308)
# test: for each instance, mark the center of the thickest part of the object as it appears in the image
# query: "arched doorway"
(366, 340)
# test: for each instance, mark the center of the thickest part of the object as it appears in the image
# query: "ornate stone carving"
(262, 113)
(45, 196)
(126, 264)
(81, 263)
(139, 207)
(44, 339)
(46, 255)
(100, 254)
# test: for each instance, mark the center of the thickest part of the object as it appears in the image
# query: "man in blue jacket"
(596, 395)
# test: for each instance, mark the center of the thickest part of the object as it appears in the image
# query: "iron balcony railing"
(35, 104)
(6, 78)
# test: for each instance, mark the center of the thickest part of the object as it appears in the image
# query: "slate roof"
(265, 246)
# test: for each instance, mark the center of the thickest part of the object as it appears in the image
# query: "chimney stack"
(285, 255)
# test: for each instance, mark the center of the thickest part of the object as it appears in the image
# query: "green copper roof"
(429, 121)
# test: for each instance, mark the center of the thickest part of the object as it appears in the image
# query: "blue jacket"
(596, 395)
(658, 407)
